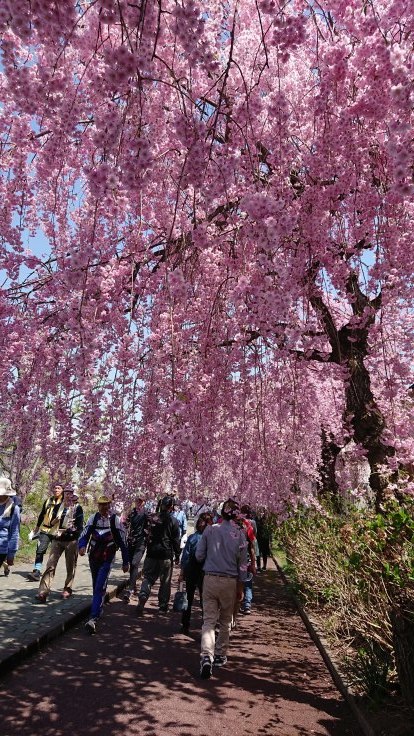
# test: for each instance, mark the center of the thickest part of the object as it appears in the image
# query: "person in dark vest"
(64, 541)
(163, 546)
(48, 520)
(101, 537)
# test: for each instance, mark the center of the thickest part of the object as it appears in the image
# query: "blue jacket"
(9, 529)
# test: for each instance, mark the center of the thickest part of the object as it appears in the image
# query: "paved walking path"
(139, 676)
(24, 626)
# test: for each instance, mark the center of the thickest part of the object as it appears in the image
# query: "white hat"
(5, 487)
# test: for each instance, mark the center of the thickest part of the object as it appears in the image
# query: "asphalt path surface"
(139, 677)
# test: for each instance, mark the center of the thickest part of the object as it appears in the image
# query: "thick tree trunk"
(365, 418)
(328, 486)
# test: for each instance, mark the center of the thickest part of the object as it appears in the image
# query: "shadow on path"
(140, 676)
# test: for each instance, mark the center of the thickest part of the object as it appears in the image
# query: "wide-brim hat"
(6, 487)
(104, 499)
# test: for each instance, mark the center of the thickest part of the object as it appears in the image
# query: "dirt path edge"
(319, 640)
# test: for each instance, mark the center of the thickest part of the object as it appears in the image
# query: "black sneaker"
(35, 575)
(206, 668)
(126, 596)
(220, 660)
(245, 611)
(40, 598)
(163, 609)
(140, 606)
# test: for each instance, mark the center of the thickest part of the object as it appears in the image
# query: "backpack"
(193, 568)
(103, 543)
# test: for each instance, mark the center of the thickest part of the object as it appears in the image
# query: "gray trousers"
(152, 570)
(134, 568)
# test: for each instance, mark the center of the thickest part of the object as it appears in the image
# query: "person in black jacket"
(136, 525)
(163, 546)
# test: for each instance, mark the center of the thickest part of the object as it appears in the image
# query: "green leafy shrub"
(355, 571)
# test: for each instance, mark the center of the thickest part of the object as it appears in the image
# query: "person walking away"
(163, 545)
(48, 520)
(179, 514)
(264, 540)
(223, 549)
(64, 541)
(102, 536)
(249, 526)
(9, 524)
(192, 570)
(137, 524)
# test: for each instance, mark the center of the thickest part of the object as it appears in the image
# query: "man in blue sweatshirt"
(102, 535)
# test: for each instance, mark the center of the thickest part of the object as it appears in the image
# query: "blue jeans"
(100, 574)
(41, 549)
(248, 594)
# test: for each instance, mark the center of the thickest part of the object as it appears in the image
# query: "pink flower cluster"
(205, 241)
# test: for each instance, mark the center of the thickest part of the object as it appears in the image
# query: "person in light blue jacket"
(179, 514)
(9, 523)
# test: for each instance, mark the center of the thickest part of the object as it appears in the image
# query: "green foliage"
(369, 671)
(352, 570)
(27, 550)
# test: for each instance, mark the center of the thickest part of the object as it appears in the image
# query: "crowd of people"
(219, 560)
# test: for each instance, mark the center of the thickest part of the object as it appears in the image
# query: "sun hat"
(6, 487)
(104, 499)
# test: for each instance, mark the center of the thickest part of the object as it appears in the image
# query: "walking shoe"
(220, 660)
(35, 575)
(206, 668)
(90, 626)
(163, 609)
(140, 606)
(66, 593)
(6, 570)
(40, 598)
(126, 596)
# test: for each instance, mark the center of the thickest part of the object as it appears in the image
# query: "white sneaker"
(90, 626)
